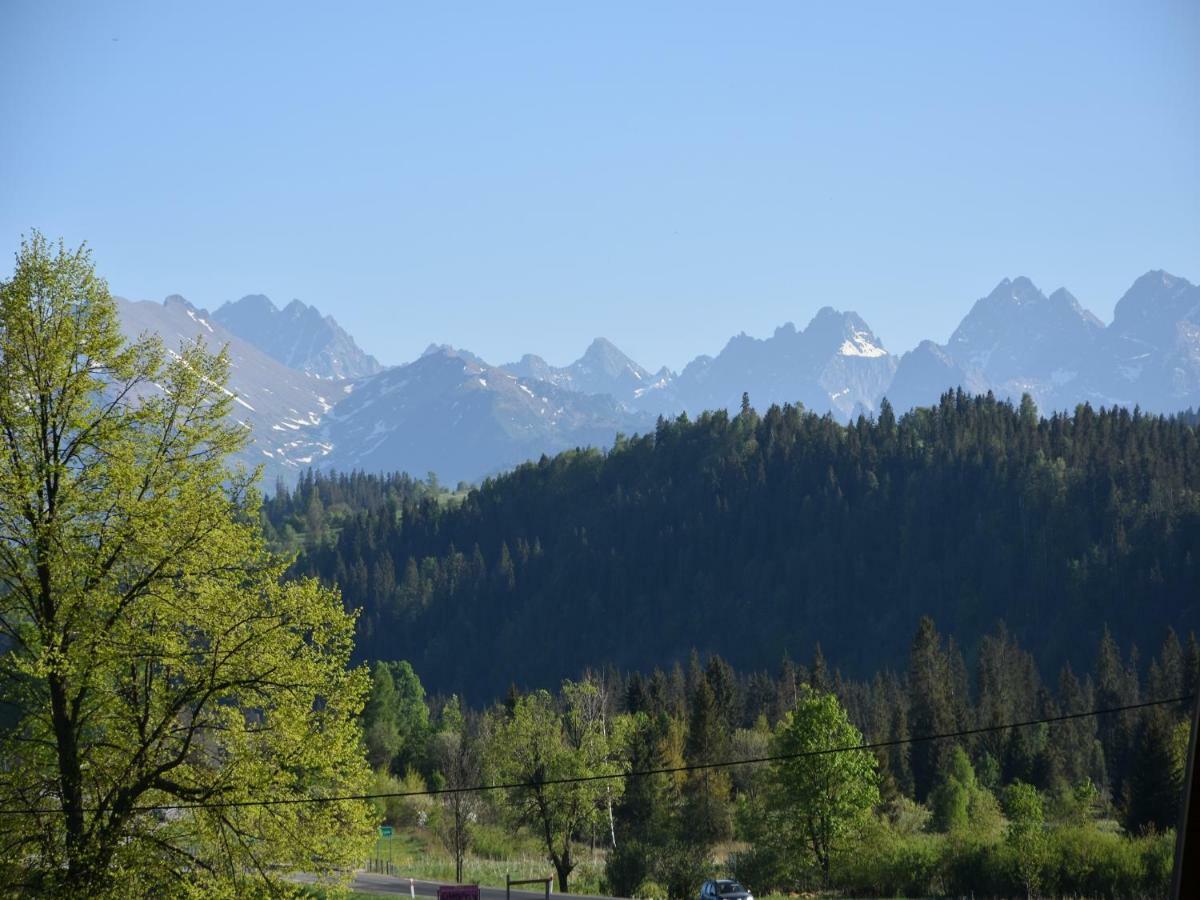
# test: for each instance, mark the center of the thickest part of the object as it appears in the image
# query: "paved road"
(373, 883)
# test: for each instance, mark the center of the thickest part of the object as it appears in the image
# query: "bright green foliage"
(959, 803)
(396, 718)
(951, 799)
(153, 657)
(1026, 839)
(379, 721)
(816, 801)
(538, 743)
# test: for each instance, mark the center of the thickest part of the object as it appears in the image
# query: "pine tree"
(819, 673)
(1152, 793)
(705, 817)
(1191, 665)
(930, 706)
(1116, 730)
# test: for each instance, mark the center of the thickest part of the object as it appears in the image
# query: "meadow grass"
(415, 853)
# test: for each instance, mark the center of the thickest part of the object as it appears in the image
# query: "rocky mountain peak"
(298, 336)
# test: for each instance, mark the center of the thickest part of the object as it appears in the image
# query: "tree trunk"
(563, 867)
(70, 777)
(612, 825)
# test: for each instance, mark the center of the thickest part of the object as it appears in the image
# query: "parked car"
(723, 889)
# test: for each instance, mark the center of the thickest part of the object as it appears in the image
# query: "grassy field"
(498, 853)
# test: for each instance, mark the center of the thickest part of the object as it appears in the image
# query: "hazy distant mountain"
(1017, 340)
(836, 364)
(1021, 340)
(297, 336)
(1152, 348)
(281, 405)
(603, 369)
(1014, 341)
(451, 413)
(925, 373)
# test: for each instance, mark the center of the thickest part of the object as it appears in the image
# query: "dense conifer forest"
(755, 536)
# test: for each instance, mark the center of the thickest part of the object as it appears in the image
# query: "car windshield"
(729, 887)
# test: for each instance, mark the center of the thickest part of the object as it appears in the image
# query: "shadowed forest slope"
(758, 535)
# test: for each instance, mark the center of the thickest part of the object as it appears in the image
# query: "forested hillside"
(1075, 807)
(759, 535)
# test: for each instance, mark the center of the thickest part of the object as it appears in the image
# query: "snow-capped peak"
(860, 344)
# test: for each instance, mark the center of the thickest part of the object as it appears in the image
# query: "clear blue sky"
(515, 177)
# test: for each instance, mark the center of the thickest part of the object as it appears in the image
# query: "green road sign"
(385, 830)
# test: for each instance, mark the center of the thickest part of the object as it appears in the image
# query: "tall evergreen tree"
(1152, 792)
(931, 708)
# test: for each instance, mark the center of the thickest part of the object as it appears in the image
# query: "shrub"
(890, 862)
(494, 842)
(628, 867)
(649, 890)
(682, 868)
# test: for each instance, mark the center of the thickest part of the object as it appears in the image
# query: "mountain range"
(313, 397)
(297, 336)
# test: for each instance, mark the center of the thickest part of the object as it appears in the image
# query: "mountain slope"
(836, 364)
(925, 373)
(435, 415)
(1017, 340)
(455, 415)
(756, 535)
(1152, 348)
(297, 336)
(283, 407)
(603, 369)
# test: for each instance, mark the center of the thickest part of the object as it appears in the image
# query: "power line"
(643, 773)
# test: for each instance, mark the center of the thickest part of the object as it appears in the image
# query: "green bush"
(403, 812)
(682, 868)
(628, 867)
(495, 842)
(649, 890)
(890, 862)
(760, 869)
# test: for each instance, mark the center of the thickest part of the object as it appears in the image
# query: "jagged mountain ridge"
(298, 336)
(603, 369)
(836, 364)
(448, 412)
(1017, 340)
(282, 406)
(453, 413)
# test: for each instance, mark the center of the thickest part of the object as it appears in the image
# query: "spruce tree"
(931, 709)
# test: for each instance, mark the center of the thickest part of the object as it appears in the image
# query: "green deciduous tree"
(160, 671)
(456, 756)
(816, 800)
(537, 744)
(396, 718)
(950, 800)
(1026, 838)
